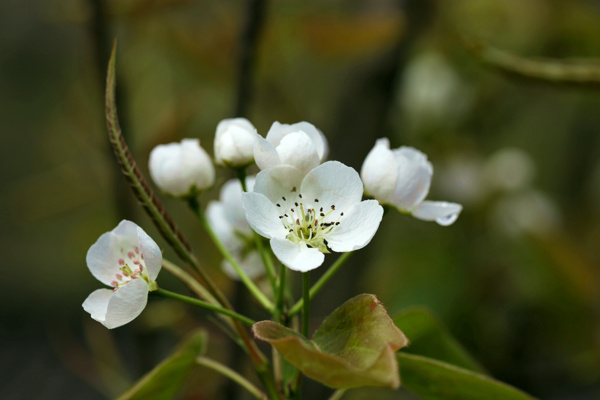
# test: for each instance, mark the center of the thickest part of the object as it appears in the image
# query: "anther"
(321, 209)
(322, 215)
(291, 209)
(297, 221)
(294, 189)
(285, 215)
(316, 200)
(291, 230)
(341, 214)
(300, 195)
(337, 223)
(278, 205)
(296, 203)
(333, 206)
(281, 217)
(283, 197)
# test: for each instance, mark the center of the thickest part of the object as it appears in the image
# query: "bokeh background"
(515, 279)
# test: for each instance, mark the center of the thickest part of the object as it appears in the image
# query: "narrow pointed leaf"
(354, 346)
(430, 338)
(434, 380)
(166, 378)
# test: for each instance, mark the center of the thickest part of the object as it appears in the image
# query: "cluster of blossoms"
(305, 206)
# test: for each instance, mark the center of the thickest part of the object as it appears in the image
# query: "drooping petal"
(333, 183)
(297, 149)
(262, 215)
(151, 252)
(231, 198)
(265, 154)
(442, 212)
(357, 227)
(278, 182)
(379, 171)
(414, 178)
(97, 303)
(296, 256)
(126, 303)
(216, 214)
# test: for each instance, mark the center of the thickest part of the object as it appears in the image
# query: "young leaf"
(430, 338)
(166, 378)
(434, 380)
(354, 346)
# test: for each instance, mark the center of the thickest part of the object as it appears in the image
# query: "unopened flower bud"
(234, 142)
(181, 169)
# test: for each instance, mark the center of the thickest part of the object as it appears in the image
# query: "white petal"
(298, 150)
(97, 303)
(357, 227)
(176, 168)
(151, 252)
(234, 142)
(126, 303)
(278, 182)
(263, 216)
(296, 256)
(442, 212)
(414, 178)
(279, 131)
(333, 183)
(231, 198)
(103, 256)
(379, 171)
(265, 154)
(217, 216)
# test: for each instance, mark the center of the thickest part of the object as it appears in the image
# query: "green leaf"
(434, 380)
(429, 337)
(166, 378)
(354, 346)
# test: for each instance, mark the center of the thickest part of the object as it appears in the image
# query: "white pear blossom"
(401, 178)
(234, 142)
(300, 145)
(228, 221)
(181, 169)
(128, 260)
(305, 216)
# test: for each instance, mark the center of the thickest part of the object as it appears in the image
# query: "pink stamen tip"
(141, 268)
(130, 254)
(121, 261)
(114, 283)
(136, 262)
(137, 249)
(142, 256)
(125, 273)
(115, 289)
(119, 277)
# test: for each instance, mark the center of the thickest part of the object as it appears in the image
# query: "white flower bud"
(234, 142)
(181, 169)
(401, 178)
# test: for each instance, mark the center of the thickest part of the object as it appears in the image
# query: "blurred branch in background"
(580, 72)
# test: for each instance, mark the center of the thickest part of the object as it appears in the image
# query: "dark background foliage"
(515, 278)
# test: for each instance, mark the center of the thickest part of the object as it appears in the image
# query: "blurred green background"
(515, 279)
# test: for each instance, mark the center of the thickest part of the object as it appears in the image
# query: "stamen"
(333, 206)
(300, 195)
(278, 205)
(294, 189)
(316, 200)
(283, 197)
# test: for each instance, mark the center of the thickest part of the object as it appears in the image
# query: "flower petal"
(296, 256)
(103, 256)
(217, 215)
(379, 171)
(262, 215)
(414, 178)
(265, 154)
(97, 303)
(333, 184)
(297, 149)
(357, 227)
(252, 265)
(278, 182)
(151, 252)
(444, 213)
(126, 303)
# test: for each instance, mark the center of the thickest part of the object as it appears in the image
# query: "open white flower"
(128, 260)
(227, 219)
(401, 178)
(306, 216)
(300, 145)
(181, 169)
(234, 142)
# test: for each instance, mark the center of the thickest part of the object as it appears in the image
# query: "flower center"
(132, 266)
(308, 221)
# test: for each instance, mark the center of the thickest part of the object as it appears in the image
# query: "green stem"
(280, 294)
(205, 305)
(195, 206)
(190, 281)
(231, 374)
(306, 301)
(320, 283)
